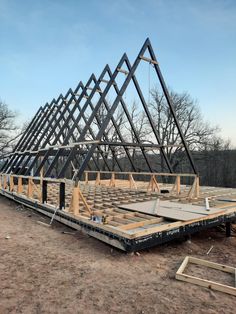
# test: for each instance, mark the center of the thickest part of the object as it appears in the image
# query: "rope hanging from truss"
(149, 82)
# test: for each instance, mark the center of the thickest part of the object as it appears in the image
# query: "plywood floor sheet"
(171, 210)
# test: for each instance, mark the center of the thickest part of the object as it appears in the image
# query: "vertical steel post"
(62, 195)
(44, 191)
(228, 228)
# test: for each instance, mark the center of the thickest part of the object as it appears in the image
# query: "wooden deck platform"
(126, 216)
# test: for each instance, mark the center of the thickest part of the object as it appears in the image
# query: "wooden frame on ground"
(203, 282)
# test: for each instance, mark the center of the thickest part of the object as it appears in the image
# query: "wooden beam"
(141, 223)
(52, 180)
(148, 60)
(122, 71)
(54, 147)
(147, 173)
(225, 268)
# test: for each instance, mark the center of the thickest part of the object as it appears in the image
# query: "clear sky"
(47, 46)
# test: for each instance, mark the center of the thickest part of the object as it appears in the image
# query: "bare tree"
(198, 133)
(114, 133)
(141, 126)
(217, 163)
(8, 128)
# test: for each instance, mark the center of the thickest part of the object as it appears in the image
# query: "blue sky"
(47, 46)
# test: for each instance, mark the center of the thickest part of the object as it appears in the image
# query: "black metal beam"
(169, 101)
(27, 143)
(228, 228)
(124, 60)
(55, 123)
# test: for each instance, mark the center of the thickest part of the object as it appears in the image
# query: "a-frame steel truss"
(71, 129)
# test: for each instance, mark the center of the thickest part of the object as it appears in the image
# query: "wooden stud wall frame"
(203, 282)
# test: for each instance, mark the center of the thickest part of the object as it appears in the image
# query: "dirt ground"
(43, 270)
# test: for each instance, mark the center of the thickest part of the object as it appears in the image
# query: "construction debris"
(209, 251)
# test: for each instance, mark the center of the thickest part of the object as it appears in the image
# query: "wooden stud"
(84, 202)
(176, 189)
(75, 200)
(42, 169)
(197, 189)
(194, 190)
(112, 182)
(98, 179)
(37, 189)
(11, 187)
(153, 184)
(74, 205)
(30, 188)
(86, 177)
(132, 183)
(19, 186)
(5, 184)
(177, 185)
